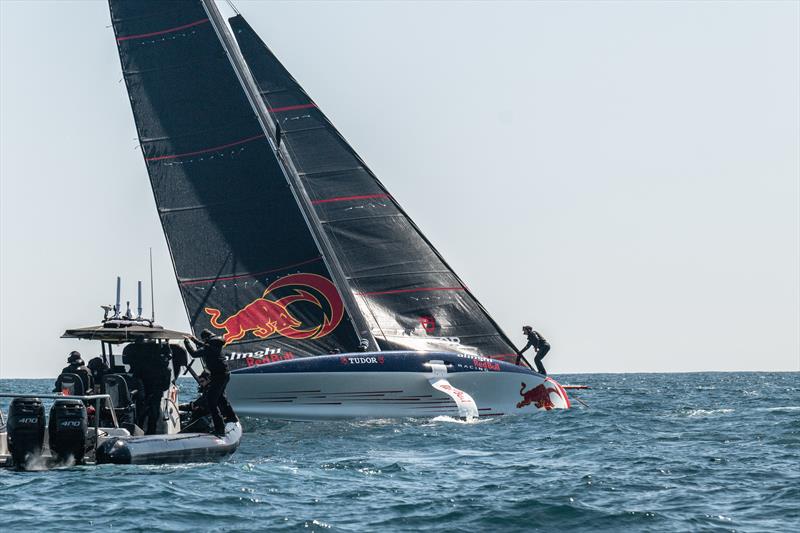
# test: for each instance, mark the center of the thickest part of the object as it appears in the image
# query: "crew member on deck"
(539, 344)
(75, 366)
(99, 369)
(180, 359)
(210, 350)
(199, 407)
(150, 366)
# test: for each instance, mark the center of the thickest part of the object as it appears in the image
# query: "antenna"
(117, 306)
(139, 302)
(152, 294)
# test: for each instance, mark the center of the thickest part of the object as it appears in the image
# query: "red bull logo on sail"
(267, 316)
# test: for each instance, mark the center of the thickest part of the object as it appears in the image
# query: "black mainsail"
(246, 263)
(252, 192)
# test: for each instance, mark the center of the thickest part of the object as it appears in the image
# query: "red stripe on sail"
(291, 107)
(346, 198)
(206, 150)
(401, 291)
(162, 32)
(253, 275)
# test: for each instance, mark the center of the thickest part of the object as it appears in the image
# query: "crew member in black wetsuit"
(539, 344)
(99, 369)
(180, 359)
(150, 366)
(76, 366)
(199, 407)
(210, 351)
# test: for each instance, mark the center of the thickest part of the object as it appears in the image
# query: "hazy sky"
(623, 176)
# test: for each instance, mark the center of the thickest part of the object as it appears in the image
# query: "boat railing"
(95, 398)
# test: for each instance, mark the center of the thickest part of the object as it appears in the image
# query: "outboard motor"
(67, 430)
(25, 429)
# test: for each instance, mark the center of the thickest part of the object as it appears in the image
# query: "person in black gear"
(539, 344)
(180, 359)
(98, 368)
(202, 385)
(149, 365)
(75, 366)
(210, 351)
(199, 407)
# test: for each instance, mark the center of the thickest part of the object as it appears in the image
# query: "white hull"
(320, 395)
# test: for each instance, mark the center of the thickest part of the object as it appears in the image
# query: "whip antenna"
(152, 294)
(117, 307)
(139, 301)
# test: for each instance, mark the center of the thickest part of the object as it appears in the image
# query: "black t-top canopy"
(120, 332)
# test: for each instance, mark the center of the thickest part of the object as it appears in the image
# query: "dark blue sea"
(648, 452)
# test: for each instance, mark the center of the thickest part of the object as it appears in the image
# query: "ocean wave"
(690, 458)
(780, 409)
(693, 413)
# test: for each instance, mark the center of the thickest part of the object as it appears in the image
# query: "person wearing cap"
(75, 366)
(539, 344)
(209, 349)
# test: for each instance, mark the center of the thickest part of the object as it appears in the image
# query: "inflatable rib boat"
(175, 448)
(107, 427)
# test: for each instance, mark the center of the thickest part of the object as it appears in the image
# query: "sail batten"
(250, 274)
(162, 32)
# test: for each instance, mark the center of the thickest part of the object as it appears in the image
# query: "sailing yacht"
(331, 301)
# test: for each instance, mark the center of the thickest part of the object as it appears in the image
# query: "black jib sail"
(408, 294)
(247, 264)
(297, 248)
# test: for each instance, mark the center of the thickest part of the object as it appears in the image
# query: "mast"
(295, 185)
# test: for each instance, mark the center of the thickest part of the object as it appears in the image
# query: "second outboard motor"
(25, 429)
(67, 430)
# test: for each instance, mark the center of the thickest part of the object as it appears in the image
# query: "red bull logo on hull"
(539, 396)
(267, 316)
